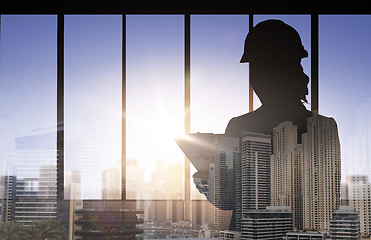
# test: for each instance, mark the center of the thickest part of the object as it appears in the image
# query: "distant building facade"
(224, 191)
(30, 187)
(230, 235)
(356, 191)
(111, 183)
(345, 224)
(300, 235)
(270, 223)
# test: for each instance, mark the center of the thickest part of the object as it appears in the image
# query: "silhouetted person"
(274, 51)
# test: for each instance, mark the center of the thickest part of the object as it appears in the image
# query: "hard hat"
(273, 40)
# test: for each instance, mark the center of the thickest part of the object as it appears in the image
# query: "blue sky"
(155, 70)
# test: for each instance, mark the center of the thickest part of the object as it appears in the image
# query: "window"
(28, 153)
(154, 52)
(92, 88)
(155, 103)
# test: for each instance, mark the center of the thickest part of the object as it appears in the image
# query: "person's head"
(274, 52)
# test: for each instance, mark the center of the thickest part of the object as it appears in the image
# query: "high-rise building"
(269, 223)
(321, 172)
(286, 171)
(358, 157)
(226, 150)
(111, 183)
(238, 184)
(357, 192)
(8, 197)
(73, 185)
(345, 224)
(31, 184)
(135, 182)
(73, 180)
(201, 212)
(255, 171)
(36, 190)
(8, 190)
(86, 149)
(175, 191)
(210, 193)
(226, 153)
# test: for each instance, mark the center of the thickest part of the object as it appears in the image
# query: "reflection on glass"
(27, 118)
(345, 94)
(155, 107)
(219, 83)
(280, 162)
(93, 107)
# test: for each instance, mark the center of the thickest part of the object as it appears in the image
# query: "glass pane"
(93, 109)
(301, 23)
(219, 92)
(344, 94)
(219, 83)
(28, 153)
(155, 109)
(345, 87)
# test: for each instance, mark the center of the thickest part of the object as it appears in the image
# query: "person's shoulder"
(230, 126)
(330, 120)
(236, 124)
(247, 116)
(239, 118)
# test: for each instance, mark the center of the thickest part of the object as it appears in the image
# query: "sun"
(157, 133)
(166, 127)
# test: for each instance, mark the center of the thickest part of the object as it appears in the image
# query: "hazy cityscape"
(315, 185)
(257, 177)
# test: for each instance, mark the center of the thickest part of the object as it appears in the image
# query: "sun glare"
(154, 137)
(165, 128)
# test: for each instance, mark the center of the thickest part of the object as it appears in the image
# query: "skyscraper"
(31, 183)
(255, 154)
(8, 190)
(84, 151)
(357, 192)
(8, 197)
(111, 183)
(286, 171)
(226, 153)
(359, 155)
(321, 172)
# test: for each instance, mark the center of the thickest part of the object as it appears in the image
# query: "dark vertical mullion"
(123, 156)
(251, 91)
(62, 204)
(314, 63)
(60, 107)
(187, 119)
